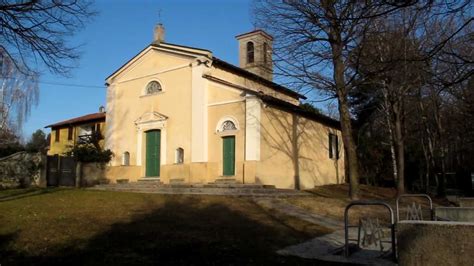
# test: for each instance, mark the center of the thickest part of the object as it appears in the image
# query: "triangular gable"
(150, 117)
(166, 47)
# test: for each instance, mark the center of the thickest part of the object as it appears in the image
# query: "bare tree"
(319, 46)
(409, 60)
(33, 37)
(314, 41)
(18, 92)
(34, 32)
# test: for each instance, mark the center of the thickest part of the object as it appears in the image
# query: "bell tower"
(255, 53)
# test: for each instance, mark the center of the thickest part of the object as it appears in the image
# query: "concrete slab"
(466, 202)
(460, 214)
(435, 243)
(330, 247)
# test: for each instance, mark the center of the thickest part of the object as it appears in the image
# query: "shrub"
(88, 153)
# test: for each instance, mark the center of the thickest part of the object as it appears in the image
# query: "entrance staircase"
(223, 187)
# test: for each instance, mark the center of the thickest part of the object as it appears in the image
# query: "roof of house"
(80, 120)
(223, 64)
(277, 87)
(286, 106)
(283, 105)
(252, 32)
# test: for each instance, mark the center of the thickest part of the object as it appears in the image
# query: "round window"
(153, 87)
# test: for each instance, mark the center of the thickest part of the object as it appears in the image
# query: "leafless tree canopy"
(304, 31)
(320, 46)
(18, 93)
(34, 32)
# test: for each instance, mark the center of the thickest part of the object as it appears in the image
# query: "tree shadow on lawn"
(180, 232)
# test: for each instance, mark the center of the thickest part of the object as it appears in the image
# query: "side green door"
(229, 155)
(153, 140)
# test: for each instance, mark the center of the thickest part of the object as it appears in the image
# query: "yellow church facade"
(179, 114)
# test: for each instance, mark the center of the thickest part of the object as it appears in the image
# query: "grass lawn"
(331, 201)
(75, 226)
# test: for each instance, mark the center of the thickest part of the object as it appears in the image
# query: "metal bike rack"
(347, 226)
(414, 196)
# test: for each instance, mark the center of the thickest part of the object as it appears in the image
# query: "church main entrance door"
(153, 141)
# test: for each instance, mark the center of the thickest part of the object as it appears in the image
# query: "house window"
(153, 87)
(333, 146)
(69, 133)
(56, 135)
(98, 132)
(179, 156)
(250, 53)
(126, 159)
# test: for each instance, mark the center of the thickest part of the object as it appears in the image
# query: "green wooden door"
(153, 140)
(229, 155)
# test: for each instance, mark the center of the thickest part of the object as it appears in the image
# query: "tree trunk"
(442, 145)
(386, 108)
(346, 126)
(400, 154)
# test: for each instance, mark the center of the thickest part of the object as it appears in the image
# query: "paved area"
(328, 247)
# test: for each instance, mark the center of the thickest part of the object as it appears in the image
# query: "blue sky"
(122, 29)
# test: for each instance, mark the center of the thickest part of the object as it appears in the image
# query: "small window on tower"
(250, 53)
(265, 52)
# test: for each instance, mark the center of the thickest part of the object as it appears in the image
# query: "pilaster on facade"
(109, 126)
(199, 112)
(252, 128)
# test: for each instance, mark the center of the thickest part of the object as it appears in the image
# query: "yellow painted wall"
(126, 104)
(292, 145)
(216, 113)
(63, 145)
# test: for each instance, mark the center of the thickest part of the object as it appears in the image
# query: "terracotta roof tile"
(79, 120)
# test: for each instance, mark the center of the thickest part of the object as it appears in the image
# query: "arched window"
(250, 53)
(228, 125)
(126, 158)
(265, 53)
(179, 156)
(153, 87)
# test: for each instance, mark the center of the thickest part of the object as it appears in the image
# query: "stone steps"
(243, 190)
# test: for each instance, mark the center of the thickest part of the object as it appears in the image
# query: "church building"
(179, 114)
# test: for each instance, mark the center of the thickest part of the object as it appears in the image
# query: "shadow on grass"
(183, 232)
(25, 193)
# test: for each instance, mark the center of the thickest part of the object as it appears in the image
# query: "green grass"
(74, 226)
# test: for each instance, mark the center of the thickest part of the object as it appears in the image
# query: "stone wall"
(435, 243)
(91, 174)
(22, 169)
